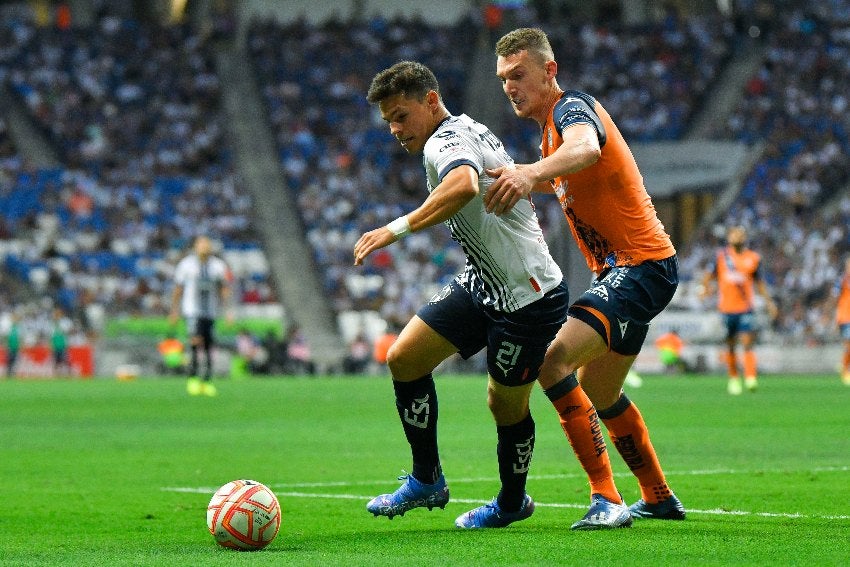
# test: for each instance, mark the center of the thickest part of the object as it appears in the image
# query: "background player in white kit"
(201, 289)
(511, 298)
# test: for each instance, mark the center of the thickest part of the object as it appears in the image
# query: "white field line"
(281, 492)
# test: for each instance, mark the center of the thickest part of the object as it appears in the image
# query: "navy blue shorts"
(200, 327)
(844, 329)
(624, 299)
(516, 342)
(739, 323)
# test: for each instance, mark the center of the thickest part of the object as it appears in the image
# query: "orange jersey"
(169, 346)
(736, 272)
(670, 341)
(606, 204)
(842, 317)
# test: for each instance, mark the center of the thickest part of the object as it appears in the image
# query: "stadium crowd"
(654, 75)
(791, 200)
(349, 175)
(346, 171)
(133, 110)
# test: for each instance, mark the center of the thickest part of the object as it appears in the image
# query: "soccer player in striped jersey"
(201, 287)
(842, 317)
(510, 300)
(587, 164)
(737, 271)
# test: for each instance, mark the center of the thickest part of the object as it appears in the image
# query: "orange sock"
(750, 366)
(846, 361)
(732, 364)
(581, 425)
(630, 436)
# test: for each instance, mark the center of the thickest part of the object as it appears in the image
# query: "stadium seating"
(791, 200)
(350, 176)
(133, 110)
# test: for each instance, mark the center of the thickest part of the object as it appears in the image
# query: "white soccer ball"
(244, 515)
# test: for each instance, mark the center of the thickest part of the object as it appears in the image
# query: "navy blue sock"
(209, 361)
(193, 364)
(416, 402)
(516, 445)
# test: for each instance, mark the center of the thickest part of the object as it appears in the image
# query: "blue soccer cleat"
(491, 516)
(669, 509)
(604, 515)
(411, 494)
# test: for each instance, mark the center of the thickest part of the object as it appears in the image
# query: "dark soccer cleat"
(491, 516)
(411, 494)
(669, 509)
(604, 515)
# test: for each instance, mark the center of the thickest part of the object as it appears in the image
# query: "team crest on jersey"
(446, 134)
(441, 295)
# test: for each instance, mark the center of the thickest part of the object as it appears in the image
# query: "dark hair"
(407, 78)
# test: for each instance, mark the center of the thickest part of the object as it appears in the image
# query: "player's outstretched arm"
(772, 309)
(513, 183)
(579, 150)
(174, 313)
(458, 187)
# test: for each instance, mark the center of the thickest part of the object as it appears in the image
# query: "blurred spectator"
(382, 346)
(359, 355)
(251, 356)
(13, 345)
(172, 354)
(60, 328)
(276, 350)
(670, 346)
(299, 357)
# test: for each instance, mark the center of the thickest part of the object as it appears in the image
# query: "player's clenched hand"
(371, 241)
(511, 185)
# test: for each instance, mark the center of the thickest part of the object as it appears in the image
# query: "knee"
(395, 359)
(507, 411)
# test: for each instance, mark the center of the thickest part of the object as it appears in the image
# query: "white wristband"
(400, 227)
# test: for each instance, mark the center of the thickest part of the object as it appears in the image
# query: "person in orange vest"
(669, 347)
(842, 318)
(171, 351)
(382, 346)
(737, 271)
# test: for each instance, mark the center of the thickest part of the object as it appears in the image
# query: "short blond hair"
(532, 39)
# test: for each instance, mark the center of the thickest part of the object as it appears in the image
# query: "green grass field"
(119, 473)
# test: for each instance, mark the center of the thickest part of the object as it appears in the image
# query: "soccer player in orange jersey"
(587, 164)
(736, 270)
(842, 317)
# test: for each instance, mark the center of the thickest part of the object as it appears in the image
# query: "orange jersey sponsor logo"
(735, 277)
(606, 204)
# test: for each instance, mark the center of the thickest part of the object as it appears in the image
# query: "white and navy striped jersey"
(202, 282)
(508, 262)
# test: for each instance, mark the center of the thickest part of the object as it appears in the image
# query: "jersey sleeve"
(180, 273)
(224, 271)
(577, 108)
(447, 150)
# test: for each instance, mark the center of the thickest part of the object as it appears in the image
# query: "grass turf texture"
(89, 466)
